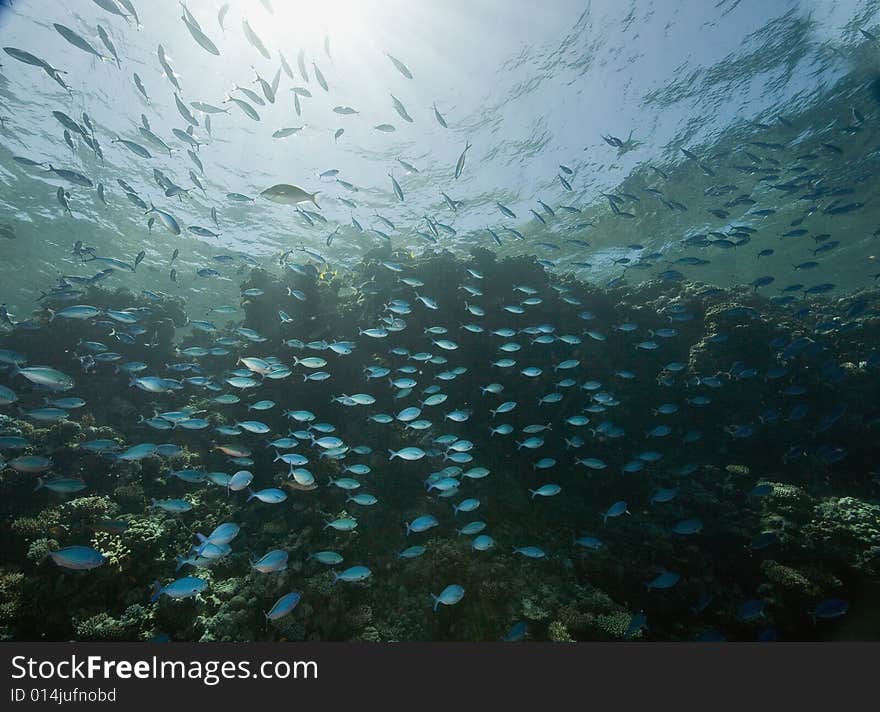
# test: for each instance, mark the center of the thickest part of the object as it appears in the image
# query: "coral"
(112, 547)
(789, 578)
(130, 496)
(84, 510)
(558, 633)
(370, 634)
(845, 528)
(361, 616)
(615, 625)
(40, 549)
(228, 626)
(573, 594)
(31, 527)
(534, 611)
(144, 538)
(320, 584)
(290, 628)
(11, 599)
(103, 626)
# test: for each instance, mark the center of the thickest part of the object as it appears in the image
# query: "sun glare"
(340, 20)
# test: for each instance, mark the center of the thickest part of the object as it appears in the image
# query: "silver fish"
(77, 41)
(254, 39)
(108, 43)
(459, 166)
(401, 67)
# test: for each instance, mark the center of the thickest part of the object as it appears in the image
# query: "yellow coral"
(558, 633)
(737, 469)
(112, 547)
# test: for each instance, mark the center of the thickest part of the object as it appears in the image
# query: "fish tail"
(40, 483)
(155, 591)
(436, 601)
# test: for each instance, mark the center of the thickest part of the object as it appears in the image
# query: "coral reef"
(779, 524)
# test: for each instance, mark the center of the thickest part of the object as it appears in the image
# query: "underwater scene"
(439, 321)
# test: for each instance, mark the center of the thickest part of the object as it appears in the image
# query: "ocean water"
(478, 321)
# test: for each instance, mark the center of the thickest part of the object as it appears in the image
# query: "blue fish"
(449, 596)
(284, 605)
(187, 587)
(79, 558)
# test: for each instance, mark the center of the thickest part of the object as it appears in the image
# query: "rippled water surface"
(763, 94)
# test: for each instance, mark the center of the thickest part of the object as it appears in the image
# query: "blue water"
(530, 90)
(598, 277)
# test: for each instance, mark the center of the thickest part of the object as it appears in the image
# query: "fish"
(284, 605)
(78, 558)
(221, 15)
(28, 58)
(135, 148)
(186, 587)
(352, 574)
(400, 66)
(398, 191)
(301, 65)
(167, 219)
(77, 40)
(111, 7)
(248, 110)
(459, 166)
(254, 39)
(401, 109)
(449, 596)
(285, 132)
(167, 68)
(320, 77)
(198, 35)
(108, 43)
(287, 194)
(45, 376)
(71, 176)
